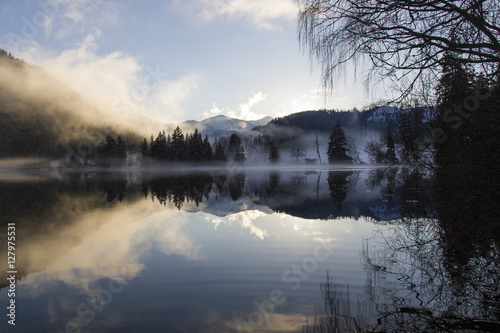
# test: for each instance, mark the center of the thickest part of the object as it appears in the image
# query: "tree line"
(192, 148)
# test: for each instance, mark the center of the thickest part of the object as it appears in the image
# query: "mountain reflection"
(78, 203)
(419, 265)
(381, 194)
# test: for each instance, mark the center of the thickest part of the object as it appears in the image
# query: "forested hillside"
(40, 116)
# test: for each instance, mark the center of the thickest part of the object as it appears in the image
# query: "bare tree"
(404, 40)
(296, 152)
(316, 145)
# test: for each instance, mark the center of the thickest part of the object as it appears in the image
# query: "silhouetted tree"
(178, 145)
(274, 154)
(219, 154)
(338, 147)
(375, 152)
(411, 133)
(158, 149)
(236, 152)
(121, 151)
(390, 154)
(110, 146)
(405, 40)
(194, 145)
(382, 152)
(145, 149)
(207, 152)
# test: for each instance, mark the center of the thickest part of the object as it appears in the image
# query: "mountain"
(222, 125)
(324, 120)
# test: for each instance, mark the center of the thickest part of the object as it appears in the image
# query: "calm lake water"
(239, 251)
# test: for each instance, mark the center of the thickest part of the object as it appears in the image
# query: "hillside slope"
(323, 121)
(40, 116)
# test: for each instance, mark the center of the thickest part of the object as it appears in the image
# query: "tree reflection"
(236, 185)
(436, 269)
(336, 315)
(406, 192)
(114, 189)
(179, 189)
(408, 288)
(305, 195)
(339, 184)
(274, 182)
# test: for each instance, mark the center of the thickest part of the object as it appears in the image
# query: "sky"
(175, 60)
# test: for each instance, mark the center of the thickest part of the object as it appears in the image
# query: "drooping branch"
(400, 38)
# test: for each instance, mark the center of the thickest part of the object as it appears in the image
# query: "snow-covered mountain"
(222, 125)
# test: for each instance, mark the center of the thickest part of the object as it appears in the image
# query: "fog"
(28, 94)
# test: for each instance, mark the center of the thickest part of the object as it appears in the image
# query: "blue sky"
(174, 60)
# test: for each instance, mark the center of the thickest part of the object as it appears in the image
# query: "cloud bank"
(261, 14)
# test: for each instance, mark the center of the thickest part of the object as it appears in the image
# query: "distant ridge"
(222, 125)
(324, 120)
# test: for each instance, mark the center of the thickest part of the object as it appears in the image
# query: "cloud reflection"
(114, 245)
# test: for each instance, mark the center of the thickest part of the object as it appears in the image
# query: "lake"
(240, 250)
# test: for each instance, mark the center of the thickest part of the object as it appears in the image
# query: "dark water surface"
(241, 251)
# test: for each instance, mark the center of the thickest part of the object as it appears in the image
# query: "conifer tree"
(159, 146)
(144, 149)
(121, 151)
(219, 154)
(195, 147)
(239, 155)
(236, 152)
(207, 152)
(108, 149)
(178, 145)
(338, 147)
(274, 154)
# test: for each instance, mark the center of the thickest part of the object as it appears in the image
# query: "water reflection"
(197, 251)
(423, 274)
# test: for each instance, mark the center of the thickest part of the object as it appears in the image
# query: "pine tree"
(274, 154)
(454, 86)
(236, 152)
(121, 151)
(178, 145)
(144, 149)
(234, 144)
(158, 150)
(108, 149)
(219, 154)
(207, 152)
(239, 156)
(195, 147)
(338, 147)
(151, 144)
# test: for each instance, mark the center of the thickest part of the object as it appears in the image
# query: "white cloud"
(243, 111)
(263, 14)
(116, 81)
(246, 219)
